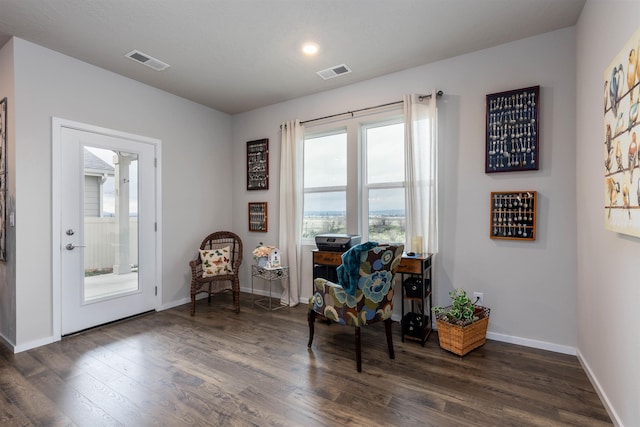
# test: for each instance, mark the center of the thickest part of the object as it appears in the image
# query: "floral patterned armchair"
(372, 301)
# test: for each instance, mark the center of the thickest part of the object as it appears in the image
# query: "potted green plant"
(462, 326)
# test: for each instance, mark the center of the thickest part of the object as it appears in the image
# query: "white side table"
(270, 275)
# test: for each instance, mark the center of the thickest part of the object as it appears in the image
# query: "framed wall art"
(258, 164)
(258, 216)
(3, 179)
(512, 130)
(620, 148)
(513, 215)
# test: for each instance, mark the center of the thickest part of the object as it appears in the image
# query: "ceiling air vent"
(147, 60)
(335, 71)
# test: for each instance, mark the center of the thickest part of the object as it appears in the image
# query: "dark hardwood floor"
(253, 368)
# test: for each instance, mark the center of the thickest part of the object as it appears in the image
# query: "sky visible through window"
(385, 164)
(325, 165)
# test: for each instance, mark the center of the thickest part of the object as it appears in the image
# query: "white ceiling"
(238, 55)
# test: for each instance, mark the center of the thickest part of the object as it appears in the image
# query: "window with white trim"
(325, 184)
(354, 179)
(383, 182)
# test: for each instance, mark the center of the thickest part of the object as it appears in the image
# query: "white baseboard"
(262, 293)
(7, 343)
(181, 301)
(187, 300)
(542, 345)
(603, 396)
(33, 344)
(178, 302)
(526, 342)
(265, 293)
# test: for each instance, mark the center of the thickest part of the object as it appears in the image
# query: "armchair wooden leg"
(311, 317)
(193, 304)
(236, 295)
(387, 329)
(358, 350)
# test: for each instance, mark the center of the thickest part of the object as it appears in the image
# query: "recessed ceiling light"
(310, 49)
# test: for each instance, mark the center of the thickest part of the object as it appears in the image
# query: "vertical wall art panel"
(621, 179)
(258, 164)
(513, 123)
(3, 179)
(258, 216)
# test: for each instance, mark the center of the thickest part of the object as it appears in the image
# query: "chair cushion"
(216, 262)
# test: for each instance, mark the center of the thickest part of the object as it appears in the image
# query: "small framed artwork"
(512, 142)
(513, 215)
(258, 216)
(258, 164)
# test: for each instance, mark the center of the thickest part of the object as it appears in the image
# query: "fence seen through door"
(102, 238)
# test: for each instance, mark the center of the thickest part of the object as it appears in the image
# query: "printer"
(336, 242)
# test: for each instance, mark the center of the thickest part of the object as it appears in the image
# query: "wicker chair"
(222, 254)
(373, 299)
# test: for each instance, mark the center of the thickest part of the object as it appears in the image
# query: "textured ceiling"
(238, 55)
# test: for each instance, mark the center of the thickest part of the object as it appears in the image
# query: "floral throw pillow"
(215, 262)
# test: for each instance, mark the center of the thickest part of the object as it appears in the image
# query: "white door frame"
(56, 195)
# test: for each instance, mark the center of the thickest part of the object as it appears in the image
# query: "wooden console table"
(408, 264)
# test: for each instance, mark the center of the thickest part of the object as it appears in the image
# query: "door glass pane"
(110, 223)
(387, 220)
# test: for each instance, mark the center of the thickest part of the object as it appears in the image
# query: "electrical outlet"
(478, 298)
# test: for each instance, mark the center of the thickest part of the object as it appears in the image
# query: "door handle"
(71, 247)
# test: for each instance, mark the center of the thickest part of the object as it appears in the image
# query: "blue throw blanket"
(349, 271)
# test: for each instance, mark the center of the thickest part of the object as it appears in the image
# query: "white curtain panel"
(421, 169)
(291, 193)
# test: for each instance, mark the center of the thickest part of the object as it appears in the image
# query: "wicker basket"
(462, 339)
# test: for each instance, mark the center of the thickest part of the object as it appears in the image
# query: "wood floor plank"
(35, 406)
(10, 414)
(163, 404)
(112, 402)
(72, 403)
(221, 368)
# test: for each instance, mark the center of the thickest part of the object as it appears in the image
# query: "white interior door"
(107, 229)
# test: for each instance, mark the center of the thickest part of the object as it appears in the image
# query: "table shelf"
(270, 275)
(417, 280)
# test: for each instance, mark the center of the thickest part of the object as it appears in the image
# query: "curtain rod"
(438, 94)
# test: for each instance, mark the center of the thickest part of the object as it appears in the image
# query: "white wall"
(196, 153)
(530, 286)
(608, 284)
